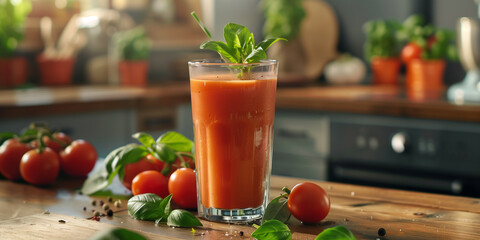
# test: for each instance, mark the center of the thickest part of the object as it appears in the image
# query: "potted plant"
(382, 50)
(283, 19)
(424, 54)
(134, 51)
(12, 17)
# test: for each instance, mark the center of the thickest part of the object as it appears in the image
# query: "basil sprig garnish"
(239, 45)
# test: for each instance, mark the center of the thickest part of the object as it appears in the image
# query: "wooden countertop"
(363, 210)
(377, 100)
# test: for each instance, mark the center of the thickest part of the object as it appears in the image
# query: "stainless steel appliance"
(414, 154)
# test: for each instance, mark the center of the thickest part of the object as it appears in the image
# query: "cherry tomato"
(308, 202)
(79, 158)
(411, 51)
(150, 181)
(149, 162)
(11, 153)
(182, 186)
(40, 168)
(54, 145)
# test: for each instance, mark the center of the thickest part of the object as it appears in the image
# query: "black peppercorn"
(382, 232)
(241, 233)
(109, 212)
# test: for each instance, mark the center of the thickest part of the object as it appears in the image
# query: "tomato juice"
(233, 126)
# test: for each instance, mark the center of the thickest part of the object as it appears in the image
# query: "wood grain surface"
(28, 212)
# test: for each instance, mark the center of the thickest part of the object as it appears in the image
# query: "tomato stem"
(286, 190)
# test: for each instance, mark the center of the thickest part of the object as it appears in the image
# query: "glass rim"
(221, 62)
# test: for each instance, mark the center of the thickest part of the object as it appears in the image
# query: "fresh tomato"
(308, 202)
(40, 168)
(79, 158)
(182, 185)
(11, 153)
(149, 162)
(411, 51)
(150, 181)
(52, 143)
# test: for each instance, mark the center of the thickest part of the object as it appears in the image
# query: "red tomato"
(40, 168)
(54, 145)
(308, 202)
(150, 181)
(133, 169)
(182, 185)
(411, 51)
(11, 153)
(79, 158)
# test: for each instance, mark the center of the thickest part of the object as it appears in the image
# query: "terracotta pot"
(13, 71)
(55, 72)
(133, 73)
(385, 70)
(425, 75)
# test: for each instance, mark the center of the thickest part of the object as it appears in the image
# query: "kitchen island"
(58, 212)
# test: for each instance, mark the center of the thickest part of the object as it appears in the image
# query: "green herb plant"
(381, 39)
(435, 43)
(283, 18)
(167, 148)
(239, 46)
(132, 44)
(12, 18)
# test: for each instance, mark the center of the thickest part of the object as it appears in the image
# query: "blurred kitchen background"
(136, 47)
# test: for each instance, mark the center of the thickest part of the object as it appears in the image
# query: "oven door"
(413, 154)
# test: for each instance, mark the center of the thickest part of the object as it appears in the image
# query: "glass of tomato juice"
(233, 107)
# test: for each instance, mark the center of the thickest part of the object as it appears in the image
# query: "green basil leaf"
(166, 208)
(256, 55)
(265, 44)
(145, 207)
(165, 153)
(111, 157)
(5, 136)
(182, 218)
(222, 49)
(131, 154)
(117, 234)
(272, 230)
(95, 182)
(176, 141)
(145, 138)
(109, 193)
(336, 233)
(277, 209)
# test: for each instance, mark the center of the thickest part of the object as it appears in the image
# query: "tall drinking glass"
(233, 107)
